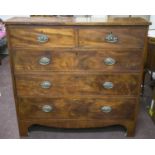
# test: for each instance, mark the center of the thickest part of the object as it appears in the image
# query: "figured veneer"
(77, 84)
(77, 60)
(77, 108)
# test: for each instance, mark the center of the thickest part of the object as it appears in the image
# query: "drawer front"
(77, 84)
(112, 37)
(74, 108)
(41, 37)
(70, 60)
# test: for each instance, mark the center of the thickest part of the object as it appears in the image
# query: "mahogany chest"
(77, 72)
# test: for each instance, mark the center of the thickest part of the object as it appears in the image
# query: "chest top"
(76, 20)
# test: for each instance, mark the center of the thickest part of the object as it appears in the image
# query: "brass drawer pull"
(47, 108)
(111, 38)
(46, 84)
(42, 38)
(106, 109)
(108, 85)
(109, 61)
(44, 61)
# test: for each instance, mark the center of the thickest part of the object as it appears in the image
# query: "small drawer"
(112, 37)
(41, 37)
(67, 84)
(77, 60)
(76, 108)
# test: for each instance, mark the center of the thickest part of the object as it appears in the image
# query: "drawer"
(77, 60)
(67, 84)
(75, 108)
(112, 37)
(41, 37)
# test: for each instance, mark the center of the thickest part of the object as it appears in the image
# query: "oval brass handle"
(47, 108)
(111, 38)
(109, 61)
(44, 61)
(42, 38)
(46, 84)
(106, 109)
(108, 85)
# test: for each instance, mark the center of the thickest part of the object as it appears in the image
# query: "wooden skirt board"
(72, 74)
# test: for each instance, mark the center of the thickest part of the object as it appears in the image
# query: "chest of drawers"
(73, 74)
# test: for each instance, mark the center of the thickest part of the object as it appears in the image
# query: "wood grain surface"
(77, 84)
(78, 60)
(27, 37)
(77, 108)
(129, 37)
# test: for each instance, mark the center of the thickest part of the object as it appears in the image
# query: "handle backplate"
(44, 61)
(108, 85)
(111, 38)
(42, 38)
(47, 108)
(109, 61)
(46, 84)
(106, 109)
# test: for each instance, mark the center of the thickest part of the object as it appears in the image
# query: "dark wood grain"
(77, 108)
(127, 37)
(78, 60)
(77, 84)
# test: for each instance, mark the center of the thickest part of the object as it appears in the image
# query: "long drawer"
(41, 37)
(77, 60)
(112, 37)
(74, 108)
(67, 84)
